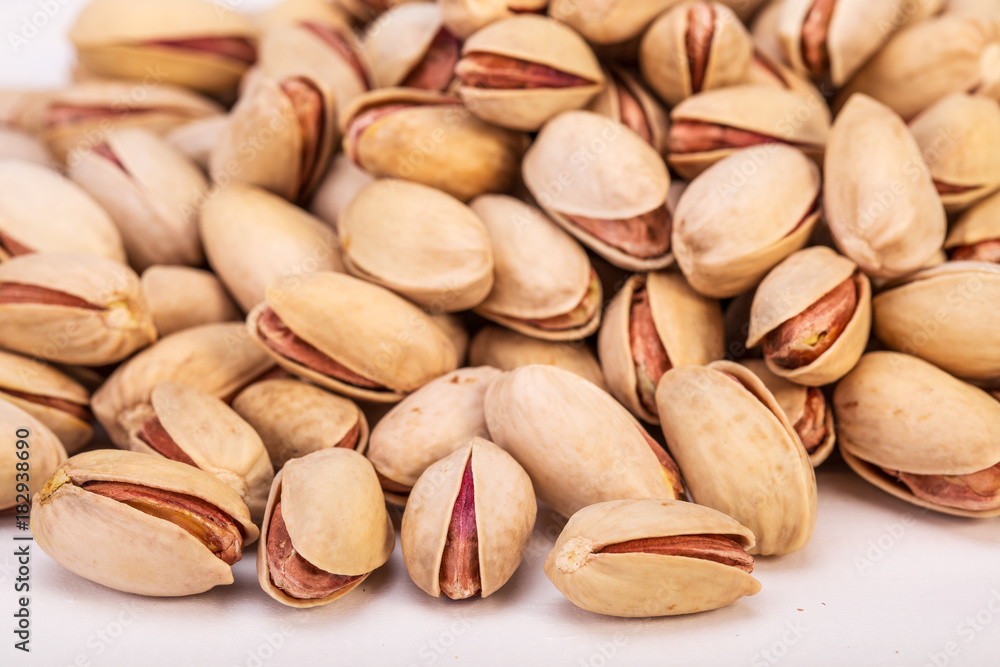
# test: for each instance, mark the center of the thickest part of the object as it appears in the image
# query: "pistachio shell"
(343, 181)
(624, 89)
(507, 350)
(304, 11)
(46, 454)
(367, 10)
(180, 297)
(196, 140)
(738, 452)
(979, 223)
(454, 328)
(21, 146)
(767, 69)
(418, 242)
(400, 41)
(764, 31)
(608, 21)
(464, 17)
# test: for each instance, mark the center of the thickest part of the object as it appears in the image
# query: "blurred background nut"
(608, 21)
(45, 452)
(626, 100)
(464, 17)
(343, 181)
(410, 47)
(506, 349)
(367, 10)
(196, 139)
(180, 297)
(21, 146)
(976, 235)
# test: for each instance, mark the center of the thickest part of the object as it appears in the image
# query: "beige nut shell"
(46, 452)
(979, 223)
(506, 349)
(21, 146)
(608, 21)
(181, 297)
(608, 103)
(465, 17)
(398, 42)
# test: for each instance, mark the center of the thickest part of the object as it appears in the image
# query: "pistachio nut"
(739, 453)
(505, 349)
(712, 125)
(467, 522)
(879, 199)
(578, 444)
(973, 7)
(812, 315)
(301, 11)
(521, 71)
(24, 109)
(418, 242)
(218, 359)
(141, 524)
(919, 434)
(50, 396)
(72, 308)
(656, 322)
(23, 147)
(364, 11)
(151, 191)
(41, 211)
(725, 244)
(180, 297)
(410, 47)
(806, 408)
(430, 138)
(427, 426)
(252, 238)
(736, 319)
(966, 341)
(574, 171)
(350, 336)
(343, 181)
(544, 283)
(608, 22)
(627, 101)
(976, 235)
(765, 34)
(325, 529)
(464, 17)
(692, 47)
(295, 419)
(22, 477)
(765, 69)
(652, 557)
(192, 43)
(197, 139)
(454, 328)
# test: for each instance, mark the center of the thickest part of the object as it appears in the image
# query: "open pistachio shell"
(593, 566)
(577, 443)
(467, 522)
(544, 283)
(764, 31)
(335, 520)
(304, 11)
(738, 452)
(197, 139)
(252, 238)
(344, 180)
(180, 297)
(420, 243)
(464, 17)
(410, 46)
(364, 11)
(654, 323)
(769, 70)
(41, 211)
(976, 235)
(507, 350)
(609, 21)
(125, 547)
(966, 340)
(627, 101)
(46, 453)
(428, 425)
(18, 145)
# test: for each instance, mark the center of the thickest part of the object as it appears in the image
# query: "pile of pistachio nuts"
(648, 263)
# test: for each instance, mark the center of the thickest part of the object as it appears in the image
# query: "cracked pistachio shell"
(688, 326)
(364, 11)
(738, 452)
(252, 238)
(505, 510)
(726, 244)
(665, 59)
(795, 285)
(418, 242)
(48, 395)
(627, 101)
(899, 412)
(464, 17)
(578, 444)
(295, 419)
(541, 273)
(218, 359)
(770, 70)
(363, 327)
(645, 584)
(335, 516)
(401, 40)
(197, 139)
(879, 198)
(966, 340)
(607, 22)
(537, 40)
(469, 156)
(979, 223)
(322, 12)
(764, 31)
(23, 147)
(46, 452)
(180, 297)
(115, 545)
(505, 349)
(109, 321)
(152, 193)
(42, 211)
(344, 180)
(957, 137)
(574, 168)
(428, 425)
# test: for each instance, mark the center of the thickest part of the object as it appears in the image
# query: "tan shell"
(979, 223)
(533, 39)
(252, 238)
(879, 199)
(902, 413)
(688, 325)
(505, 515)
(975, 7)
(333, 509)
(664, 58)
(302, 11)
(398, 42)
(218, 359)
(464, 17)
(295, 419)
(768, 70)
(180, 297)
(23, 109)
(726, 244)
(430, 424)
(643, 584)
(764, 31)
(364, 327)
(367, 10)
(608, 21)
(24, 380)
(420, 243)
(577, 443)
(45, 454)
(46, 212)
(119, 326)
(117, 546)
(738, 452)
(608, 103)
(946, 315)
(454, 328)
(507, 350)
(24, 147)
(793, 286)
(197, 139)
(343, 181)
